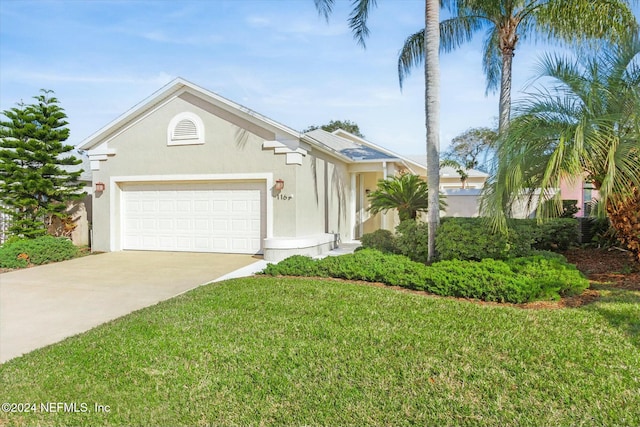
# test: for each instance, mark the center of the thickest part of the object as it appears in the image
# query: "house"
(188, 170)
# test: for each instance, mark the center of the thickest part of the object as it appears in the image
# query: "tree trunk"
(505, 92)
(508, 41)
(432, 115)
(625, 219)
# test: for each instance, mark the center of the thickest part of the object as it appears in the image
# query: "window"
(185, 129)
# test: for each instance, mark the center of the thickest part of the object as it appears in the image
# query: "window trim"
(192, 117)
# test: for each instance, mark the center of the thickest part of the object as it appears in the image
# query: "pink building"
(581, 191)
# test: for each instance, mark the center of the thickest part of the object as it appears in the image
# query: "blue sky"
(277, 57)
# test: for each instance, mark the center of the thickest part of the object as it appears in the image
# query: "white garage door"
(192, 217)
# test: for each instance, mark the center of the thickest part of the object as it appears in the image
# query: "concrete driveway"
(43, 305)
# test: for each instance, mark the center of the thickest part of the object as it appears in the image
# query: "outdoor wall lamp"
(100, 187)
(279, 185)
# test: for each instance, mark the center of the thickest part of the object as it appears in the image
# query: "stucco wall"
(232, 146)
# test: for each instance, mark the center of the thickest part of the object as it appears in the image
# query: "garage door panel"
(181, 218)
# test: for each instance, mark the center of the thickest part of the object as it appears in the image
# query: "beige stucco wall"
(370, 182)
(232, 146)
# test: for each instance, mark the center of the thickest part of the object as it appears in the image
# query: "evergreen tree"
(35, 186)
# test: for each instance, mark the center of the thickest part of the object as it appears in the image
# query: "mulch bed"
(611, 267)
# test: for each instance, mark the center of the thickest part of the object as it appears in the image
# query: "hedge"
(517, 280)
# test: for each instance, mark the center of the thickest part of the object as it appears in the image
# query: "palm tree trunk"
(625, 219)
(432, 116)
(508, 40)
(505, 91)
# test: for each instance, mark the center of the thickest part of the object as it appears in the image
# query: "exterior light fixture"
(100, 187)
(279, 185)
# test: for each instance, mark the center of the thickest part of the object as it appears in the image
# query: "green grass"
(285, 351)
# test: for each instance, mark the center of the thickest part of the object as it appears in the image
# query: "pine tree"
(35, 186)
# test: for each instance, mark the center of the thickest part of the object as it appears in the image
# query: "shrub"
(41, 250)
(554, 275)
(488, 280)
(471, 239)
(412, 240)
(554, 234)
(543, 276)
(296, 265)
(382, 240)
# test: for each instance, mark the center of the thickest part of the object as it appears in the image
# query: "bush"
(556, 234)
(41, 250)
(296, 265)
(554, 275)
(471, 239)
(412, 240)
(488, 280)
(382, 240)
(543, 276)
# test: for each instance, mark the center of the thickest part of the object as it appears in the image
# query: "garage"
(195, 217)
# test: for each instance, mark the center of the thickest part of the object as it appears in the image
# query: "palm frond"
(492, 60)
(324, 7)
(585, 123)
(411, 55)
(358, 19)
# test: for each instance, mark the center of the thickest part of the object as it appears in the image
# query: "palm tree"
(586, 124)
(430, 51)
(508, 21)
(407, 193)
(460, 169)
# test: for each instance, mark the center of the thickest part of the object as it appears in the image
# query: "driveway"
(43, 305)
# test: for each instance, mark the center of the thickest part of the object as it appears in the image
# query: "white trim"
(115, 193)
(352, 207)
(168, 93)
(298, 242)
(192, 117)
(362, 208)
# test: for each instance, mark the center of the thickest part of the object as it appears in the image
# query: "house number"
(284, 197)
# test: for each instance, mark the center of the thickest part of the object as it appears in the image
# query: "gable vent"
(185, 129)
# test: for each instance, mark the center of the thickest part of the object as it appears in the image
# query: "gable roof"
(348, 148)
(341, 144)
(169, 92)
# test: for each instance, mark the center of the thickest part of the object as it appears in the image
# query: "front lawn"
(288, 351)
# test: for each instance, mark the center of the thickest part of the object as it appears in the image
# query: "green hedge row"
(472, 239)
(544, 276)
(41, 250)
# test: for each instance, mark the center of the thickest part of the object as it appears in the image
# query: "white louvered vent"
(185, 129)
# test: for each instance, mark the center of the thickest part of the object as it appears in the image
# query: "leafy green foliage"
(296, 265)
(407, 193)
(507, 22)
(34, 185)
(516, 281)
(554, 276)
(382, 240)
(412, 239)
(19, 253)
(334, 125)
(472, 148)
(551, 235)
(587, 124)
(473, 239)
